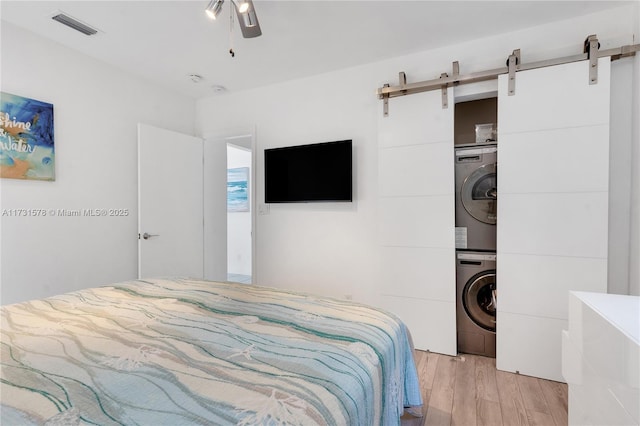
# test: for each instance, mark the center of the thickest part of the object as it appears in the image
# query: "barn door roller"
(591, 46)
(512, 62)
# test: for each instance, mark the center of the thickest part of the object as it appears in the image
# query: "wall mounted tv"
(309, 173)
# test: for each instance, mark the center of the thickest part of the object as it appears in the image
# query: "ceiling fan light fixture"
(242, 5)
(214, 8)
(249, 18)
(246, 13)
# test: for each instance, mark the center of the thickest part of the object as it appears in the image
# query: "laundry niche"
(476, 198)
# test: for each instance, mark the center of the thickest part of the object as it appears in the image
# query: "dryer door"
(479, 299)
(479, 194)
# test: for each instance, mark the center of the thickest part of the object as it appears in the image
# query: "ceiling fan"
(246, 13)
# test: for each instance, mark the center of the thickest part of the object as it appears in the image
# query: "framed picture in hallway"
(238, 189)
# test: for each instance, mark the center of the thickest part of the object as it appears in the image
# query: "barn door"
(553, 179)
(416, 218)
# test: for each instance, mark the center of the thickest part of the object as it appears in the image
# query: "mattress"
(179, 351)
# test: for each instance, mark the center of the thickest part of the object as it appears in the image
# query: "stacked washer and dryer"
(476, 204)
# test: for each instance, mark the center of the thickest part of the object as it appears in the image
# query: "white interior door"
(215, 209)
(553, 182)
(416, 208)
(170, 204)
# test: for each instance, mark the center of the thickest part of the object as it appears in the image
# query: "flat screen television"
(309, 173)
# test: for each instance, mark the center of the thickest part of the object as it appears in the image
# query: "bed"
(179, 351)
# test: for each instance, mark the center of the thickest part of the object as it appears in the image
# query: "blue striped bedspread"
(179, 351)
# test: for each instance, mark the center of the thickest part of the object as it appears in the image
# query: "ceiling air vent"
(74, 23)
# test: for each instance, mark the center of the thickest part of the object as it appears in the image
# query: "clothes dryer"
(476, 302)
(476, 197)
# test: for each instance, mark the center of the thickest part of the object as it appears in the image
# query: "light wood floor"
(467, 390)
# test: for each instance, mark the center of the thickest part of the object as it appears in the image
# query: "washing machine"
(476, 302)
(476, 197)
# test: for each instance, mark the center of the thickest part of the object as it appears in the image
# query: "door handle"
(146, 235)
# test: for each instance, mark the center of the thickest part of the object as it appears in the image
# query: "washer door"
(479, 194)
(479, 299)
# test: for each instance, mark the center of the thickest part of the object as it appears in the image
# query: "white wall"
(239, 223)
(331, 248)
(326, 247)
(96, 109)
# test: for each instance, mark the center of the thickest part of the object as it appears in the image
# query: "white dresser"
(601, 359)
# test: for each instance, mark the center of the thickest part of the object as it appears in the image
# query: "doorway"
(196, 220)
(239, 209)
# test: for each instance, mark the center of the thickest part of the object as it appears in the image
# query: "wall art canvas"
(238, 189)
(26, 138)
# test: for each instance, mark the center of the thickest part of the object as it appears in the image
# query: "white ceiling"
(166, 41)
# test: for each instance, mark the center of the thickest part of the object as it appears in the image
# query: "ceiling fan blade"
(248, 22)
